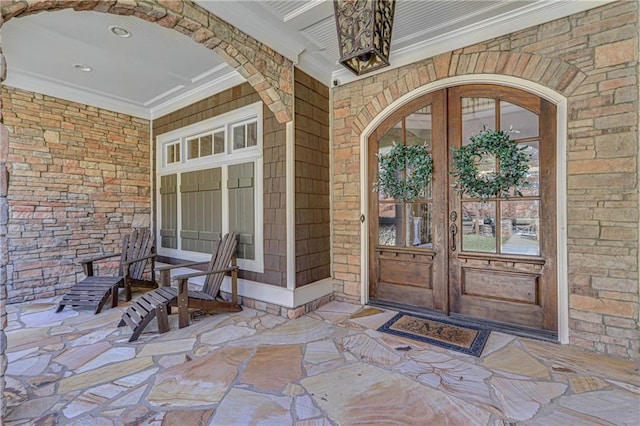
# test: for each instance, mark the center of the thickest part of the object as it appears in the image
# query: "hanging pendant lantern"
(364, 33)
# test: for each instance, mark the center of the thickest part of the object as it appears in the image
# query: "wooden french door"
(408, 241)
(489, 259)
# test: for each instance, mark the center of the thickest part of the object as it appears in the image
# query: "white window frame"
(244, 124)
(224, 160)
(165, 153)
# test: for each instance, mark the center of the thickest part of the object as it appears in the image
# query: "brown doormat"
(447, 333)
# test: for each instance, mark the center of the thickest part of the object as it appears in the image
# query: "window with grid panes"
(210, 183)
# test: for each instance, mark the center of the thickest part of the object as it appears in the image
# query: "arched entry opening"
(493, 260)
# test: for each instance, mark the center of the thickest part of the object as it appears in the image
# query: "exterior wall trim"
(286, 297)
(290, 207)
(544, 92)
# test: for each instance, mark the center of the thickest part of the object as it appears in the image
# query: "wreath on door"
(513, 166)
(404, 172)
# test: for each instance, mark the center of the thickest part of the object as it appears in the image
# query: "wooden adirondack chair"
(94, 291)
(157, 303)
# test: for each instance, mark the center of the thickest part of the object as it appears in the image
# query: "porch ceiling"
(156, 70)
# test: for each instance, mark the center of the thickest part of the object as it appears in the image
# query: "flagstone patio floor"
(328, 367)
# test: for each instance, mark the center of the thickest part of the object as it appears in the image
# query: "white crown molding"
(218, 85)
(35, 83)
(304, 8)
(535, 14)
(224, 67)
(163, 95)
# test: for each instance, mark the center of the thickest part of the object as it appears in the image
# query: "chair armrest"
(180, 265)
(129, 262)
(127, 265)
(87, 264)
(95, 259)
(185, 277)
(165, 278)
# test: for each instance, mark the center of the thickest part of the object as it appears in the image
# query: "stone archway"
(354, 111)
(268, 72)
(397, 87)
(554, 74)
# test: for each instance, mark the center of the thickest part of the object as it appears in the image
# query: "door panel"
(504, 267)
(505, 286)
(491, 259)
(403, 276)
(405, 236)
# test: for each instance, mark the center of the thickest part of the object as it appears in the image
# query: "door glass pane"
(519, 122)
(419, 225)
(394, 135)
(477, 113)
(418, 127)
(486, 165)
(425, 190)
(390, 229)
(533, 178)
(418, 132)
(519, 223)
(479, 227)
(206, 146)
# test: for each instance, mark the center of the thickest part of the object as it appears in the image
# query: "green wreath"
(417, 166)
(513, 166)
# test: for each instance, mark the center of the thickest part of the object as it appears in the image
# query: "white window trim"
(165, 148)
(230, 157)
(232, 136)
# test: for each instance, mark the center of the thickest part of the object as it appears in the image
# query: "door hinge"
(361, 218)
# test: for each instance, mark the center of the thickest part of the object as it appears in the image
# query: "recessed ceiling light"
(119, 31)
(81, 67)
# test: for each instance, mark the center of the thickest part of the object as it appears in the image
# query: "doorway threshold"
(515, 330)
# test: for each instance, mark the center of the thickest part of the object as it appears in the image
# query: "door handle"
(453, 229)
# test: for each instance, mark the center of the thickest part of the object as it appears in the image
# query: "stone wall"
(79, 180)
(592, 59)
(274, 159)
(312, 179)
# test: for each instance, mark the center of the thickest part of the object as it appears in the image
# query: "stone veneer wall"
(313, 256)
(592, 59)
(274, 141)
(79, 180)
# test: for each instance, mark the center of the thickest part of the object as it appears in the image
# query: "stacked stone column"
(4, 217)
